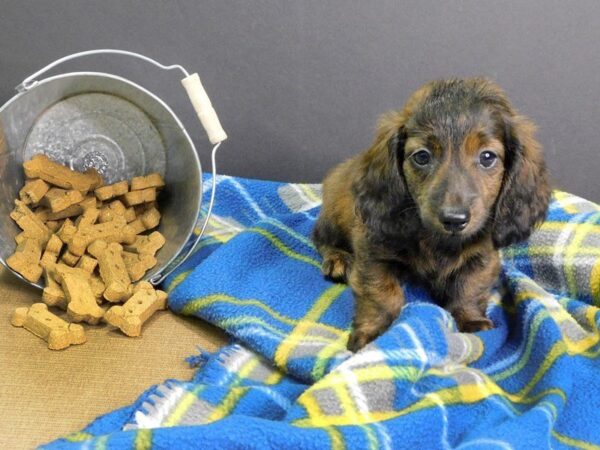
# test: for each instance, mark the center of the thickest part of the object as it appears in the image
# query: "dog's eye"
(421, 157)
(487, 159)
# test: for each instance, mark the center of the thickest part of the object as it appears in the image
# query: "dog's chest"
(437, 268)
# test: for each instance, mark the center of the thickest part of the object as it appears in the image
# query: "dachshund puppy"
(450, 179)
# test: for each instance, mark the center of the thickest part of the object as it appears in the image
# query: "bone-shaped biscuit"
(137, 226)
(74, 210)
(53, 294)
(30, 223)
(58, 199)
(41, 213)
(109, 211)
(150, 218)
(138, 197)
(40, 166)
(111, 191)
(82, 305)
(52, 250)
(26, 260)
(116, 230)
(138, 265)
(54, 330)
(87, 263)
(116, 208)
(112, 269)
(33, 191)
(153, 180)
(98, 288)
(130, 317)
(69, 259)
(21, 237)
(67, 231)
(147, 244)
(88, 218)
(53, 225)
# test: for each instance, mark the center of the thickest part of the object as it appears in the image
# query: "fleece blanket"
(287, 381)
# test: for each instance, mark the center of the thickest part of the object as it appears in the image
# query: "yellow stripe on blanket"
(577, 443)
(299, 333)
(143, 439)
(285, 249)
(196, 305)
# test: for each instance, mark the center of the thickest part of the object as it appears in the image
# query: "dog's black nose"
(454, 219)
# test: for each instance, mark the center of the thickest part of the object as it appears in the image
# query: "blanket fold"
(287, 380)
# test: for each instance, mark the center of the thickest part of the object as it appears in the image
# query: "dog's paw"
(356, 341)
(475, 325)
(336, 266)
(359, 338)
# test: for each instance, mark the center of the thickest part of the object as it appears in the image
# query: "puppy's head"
(463, 160)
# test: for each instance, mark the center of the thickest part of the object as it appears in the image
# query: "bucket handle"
(31, 81)
(192, 84)
(208, 118)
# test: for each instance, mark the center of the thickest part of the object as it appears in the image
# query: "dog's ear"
(525, 192)
(381, 197)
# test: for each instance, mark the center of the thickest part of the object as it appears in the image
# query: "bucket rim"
(190, 233)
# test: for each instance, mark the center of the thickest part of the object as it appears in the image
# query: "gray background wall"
(298, 85)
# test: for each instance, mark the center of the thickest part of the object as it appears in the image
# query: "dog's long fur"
(380, 223)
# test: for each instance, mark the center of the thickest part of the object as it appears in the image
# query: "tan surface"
(45, 394)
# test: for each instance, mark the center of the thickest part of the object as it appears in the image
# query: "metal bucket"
(99, 120)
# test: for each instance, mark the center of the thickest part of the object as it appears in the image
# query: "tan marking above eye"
(412, 145)
(474, 144)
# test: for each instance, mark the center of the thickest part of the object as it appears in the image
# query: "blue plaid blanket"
(287, 381)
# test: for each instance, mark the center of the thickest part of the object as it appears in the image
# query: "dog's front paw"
(475, 325)
(356, 341)
(359, 338)
(336, 265)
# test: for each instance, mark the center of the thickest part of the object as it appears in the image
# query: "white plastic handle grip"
(206, 113)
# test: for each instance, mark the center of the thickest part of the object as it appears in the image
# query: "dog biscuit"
(138, 226)
(87, 263)
(69, 259)
(82, 305)
(111, 191)
(33, 191)
(51, 328)
(138, 265)
(113, 271)
(53, 225)
(40, 166)
(130, 317)
(52, 250)
(74, 210)
(130, 214)
(150, 218)
(66, 231)
(58, 199)
(153, 180)
(26, 260)
(41, 213)
(147, 244)
(109, 211)
(30, 223)
(138, 197)
(53, 295)
(88, 218)
(98, 288)
(116, 230)
(21, 237)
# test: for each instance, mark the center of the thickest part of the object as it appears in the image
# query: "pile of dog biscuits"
(91, 243)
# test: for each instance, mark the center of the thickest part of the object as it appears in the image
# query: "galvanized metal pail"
(100, 120)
